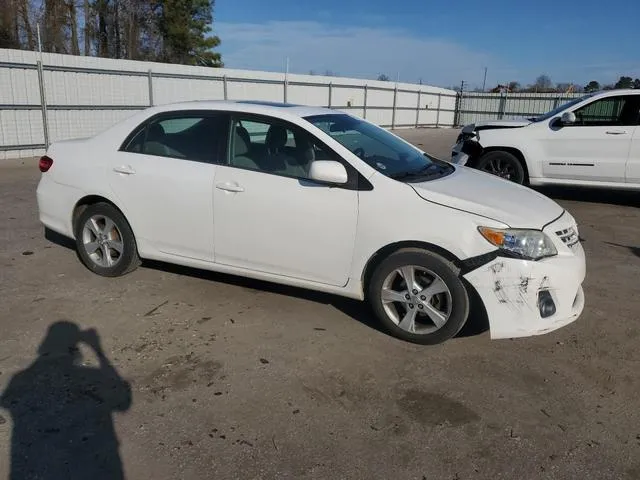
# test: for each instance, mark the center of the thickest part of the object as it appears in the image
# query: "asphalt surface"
(190, 374)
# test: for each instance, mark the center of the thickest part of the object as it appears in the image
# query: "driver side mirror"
(328, 171)
(568, 118)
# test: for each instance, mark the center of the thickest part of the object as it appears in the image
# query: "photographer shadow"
(62, 411)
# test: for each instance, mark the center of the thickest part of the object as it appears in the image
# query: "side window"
(611, 111)
(195, 137)
(274, 147)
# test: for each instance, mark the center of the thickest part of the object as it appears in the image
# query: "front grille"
(569, 236)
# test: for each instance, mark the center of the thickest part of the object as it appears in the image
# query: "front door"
(596, 146)
(270, 218)
(164, 178)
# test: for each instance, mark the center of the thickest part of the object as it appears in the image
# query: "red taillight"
(45, 163)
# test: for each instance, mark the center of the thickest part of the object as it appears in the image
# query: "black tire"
(124, 262)
(502, 164)
(444, 269)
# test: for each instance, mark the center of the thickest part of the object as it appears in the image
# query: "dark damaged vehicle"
(590, 141)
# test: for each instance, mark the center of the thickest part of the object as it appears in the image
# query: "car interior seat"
(244, 133)
(277, 159)
(305, 154)
(241, 157)
(154, 144)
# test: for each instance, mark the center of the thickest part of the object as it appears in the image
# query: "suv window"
(610, 111)
(272, 146)
(198, 137)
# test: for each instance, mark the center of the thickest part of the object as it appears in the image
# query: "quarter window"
(274, 147)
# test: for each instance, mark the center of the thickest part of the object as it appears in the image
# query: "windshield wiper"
(423, 172)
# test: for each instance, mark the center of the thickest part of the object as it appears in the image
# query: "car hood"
(492, 197)
(495, 124)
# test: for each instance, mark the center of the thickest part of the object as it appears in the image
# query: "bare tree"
(9, 32)
(73, 20)
(27, 24)
(55, 23)
(103, 35)
(87, 27)
(165, 30)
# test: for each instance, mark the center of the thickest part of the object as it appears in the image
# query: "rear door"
(596, 146)
(163, 176)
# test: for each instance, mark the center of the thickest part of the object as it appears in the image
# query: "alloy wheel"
(102, 241)
(416, 299)
(502, 168)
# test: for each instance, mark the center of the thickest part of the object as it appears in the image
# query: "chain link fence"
(472, 107)
(57, 97)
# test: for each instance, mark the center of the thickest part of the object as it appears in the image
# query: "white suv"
(590, 141)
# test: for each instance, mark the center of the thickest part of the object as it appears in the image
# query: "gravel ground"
(190, 374)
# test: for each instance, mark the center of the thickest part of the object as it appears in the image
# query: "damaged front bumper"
(466, 149)
(525, 298)
(459, 157)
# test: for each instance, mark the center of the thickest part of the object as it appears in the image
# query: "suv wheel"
(502, 164)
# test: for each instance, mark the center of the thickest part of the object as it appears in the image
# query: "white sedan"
(318, 199)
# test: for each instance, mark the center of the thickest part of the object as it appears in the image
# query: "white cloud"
(367, 52)
(354, 51)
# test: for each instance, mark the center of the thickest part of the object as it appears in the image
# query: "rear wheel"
(105, 242)
(419, 297)
(503, 164)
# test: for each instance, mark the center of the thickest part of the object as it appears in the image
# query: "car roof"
(249, 106)
(622, 91)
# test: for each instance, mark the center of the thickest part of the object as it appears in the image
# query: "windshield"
(380, 149)
(562, 107)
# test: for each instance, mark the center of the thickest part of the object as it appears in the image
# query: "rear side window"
(135, 145)
(198, 137)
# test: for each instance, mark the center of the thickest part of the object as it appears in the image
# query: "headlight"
(527, 244)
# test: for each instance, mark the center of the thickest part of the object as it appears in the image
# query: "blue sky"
(439, 42)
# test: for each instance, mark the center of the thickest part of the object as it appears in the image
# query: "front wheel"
(419, 297)
(502, 164)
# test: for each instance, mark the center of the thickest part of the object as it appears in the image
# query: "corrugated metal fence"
(473, 106)
(55, 97)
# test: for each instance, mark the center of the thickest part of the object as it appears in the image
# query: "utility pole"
(456, 114)
(484, 82)
(286, 79)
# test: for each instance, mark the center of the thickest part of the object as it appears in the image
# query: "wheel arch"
(516, 152)
(88, 200)
(478, 321)
(391, 248)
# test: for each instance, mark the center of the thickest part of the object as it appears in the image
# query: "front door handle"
(230, 187)
(616, 132)
(125, 169)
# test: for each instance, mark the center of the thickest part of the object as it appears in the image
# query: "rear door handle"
(616, 132)
(125, 169)
(230, 187)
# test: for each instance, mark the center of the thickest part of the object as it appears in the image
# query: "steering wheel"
(359, 152)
